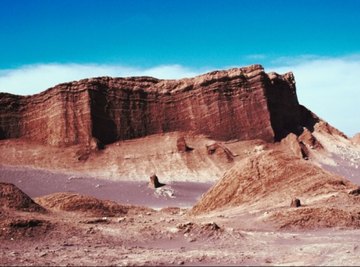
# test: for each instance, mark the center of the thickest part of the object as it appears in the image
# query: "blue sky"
(44, 42)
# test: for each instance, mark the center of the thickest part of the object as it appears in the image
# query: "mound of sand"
(11, 197)
(16, 220)
(86, 204)
(339, 210)
(315, 217)
(270, 179)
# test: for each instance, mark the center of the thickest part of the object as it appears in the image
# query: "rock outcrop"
(355, 192)
(182, 146)
(292, 144)
(154, 182)
(356, 138)
(295, 203)
(221, 149)
(240, 103)
(267, 180)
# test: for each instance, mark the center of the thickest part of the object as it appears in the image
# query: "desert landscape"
(244, 174)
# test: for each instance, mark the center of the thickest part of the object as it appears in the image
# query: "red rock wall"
(59, 116)
(242, 103)
(10, 115)
(221, 105)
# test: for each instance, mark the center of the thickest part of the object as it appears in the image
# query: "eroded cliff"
(240, 103)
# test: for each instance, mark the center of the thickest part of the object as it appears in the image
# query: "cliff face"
(241, 103)
(58, 116)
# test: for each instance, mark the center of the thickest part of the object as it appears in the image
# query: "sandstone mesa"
(240, 103)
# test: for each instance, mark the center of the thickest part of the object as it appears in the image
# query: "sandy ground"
(159, 237)
(340, 156)
(37, 183)
(168, 236)
(174, 238)
(344, 168)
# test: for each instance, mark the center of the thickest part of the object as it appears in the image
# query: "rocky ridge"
(271, 179)
(356, 138)
(240, 103)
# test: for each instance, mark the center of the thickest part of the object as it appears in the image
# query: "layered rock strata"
(240, 103)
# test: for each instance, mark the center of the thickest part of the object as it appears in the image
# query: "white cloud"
(33, 79)
(329, 87)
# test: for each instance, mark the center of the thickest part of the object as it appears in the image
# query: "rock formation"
(267, 180)
(154, 182)
(240, 103)
(214, 148)
(355, 192)
(292, 144)
(295, 203)
(356, 138)
(309, 140)
(182, 145)
(324, 127)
